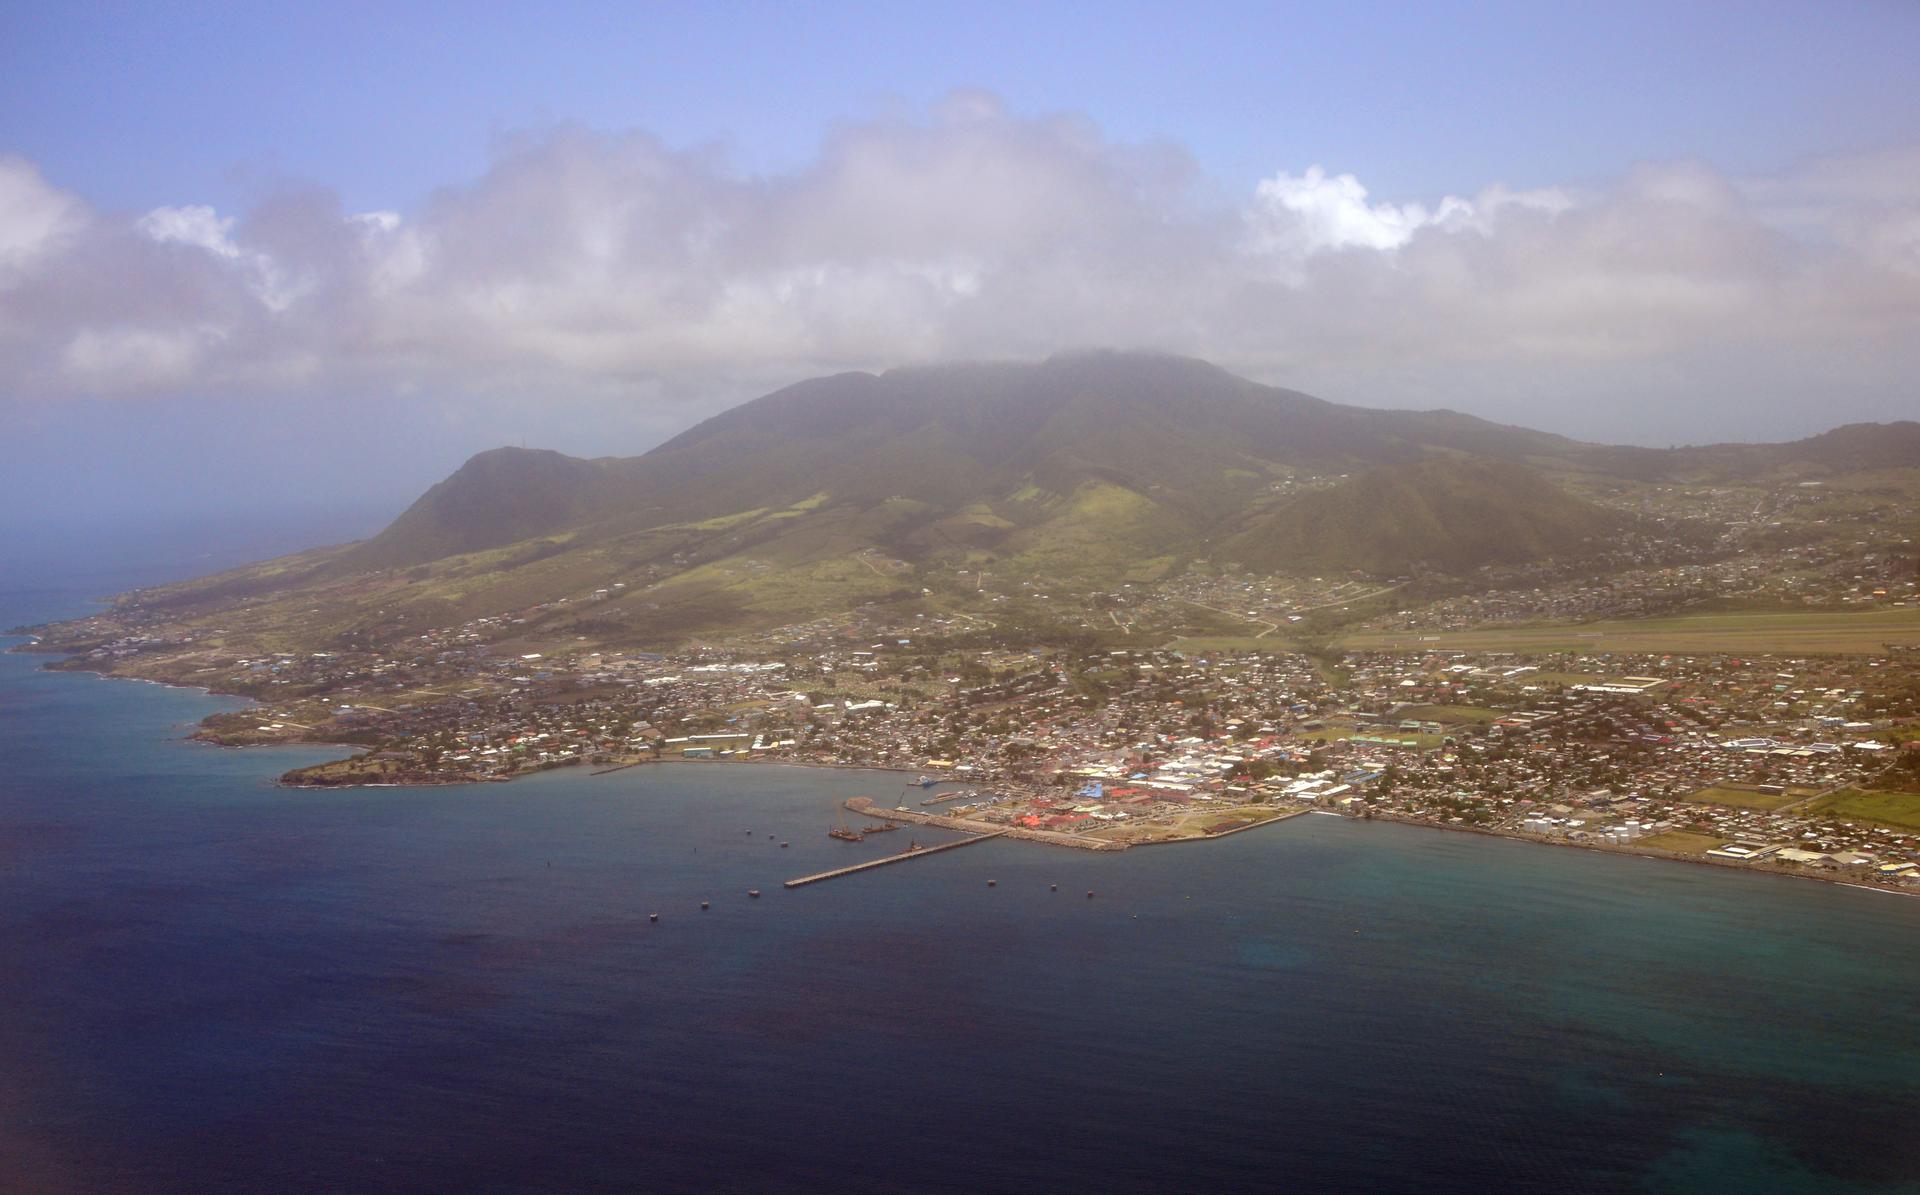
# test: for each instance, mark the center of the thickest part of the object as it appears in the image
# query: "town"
(1805, 764)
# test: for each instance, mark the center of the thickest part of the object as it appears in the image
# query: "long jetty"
(903, 856)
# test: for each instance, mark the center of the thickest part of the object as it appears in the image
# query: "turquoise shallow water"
(213, 984)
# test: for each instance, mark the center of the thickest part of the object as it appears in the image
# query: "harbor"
(866, 807)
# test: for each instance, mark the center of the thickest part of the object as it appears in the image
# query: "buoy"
(1089, 896)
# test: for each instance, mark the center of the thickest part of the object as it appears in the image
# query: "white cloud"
(110, 360)
(198, 226)
(34, 218)
(375, 223)
(1294, 218)
(1313, 213)
(590, 264)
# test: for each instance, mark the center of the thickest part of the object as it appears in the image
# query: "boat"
(924, 781)
(755, 893)
(883, 828)
(842, 831)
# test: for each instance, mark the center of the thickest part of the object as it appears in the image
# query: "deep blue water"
(211, 984)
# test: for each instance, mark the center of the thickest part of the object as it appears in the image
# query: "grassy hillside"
(1193, 441)
(1451, 515)
(1080, 472)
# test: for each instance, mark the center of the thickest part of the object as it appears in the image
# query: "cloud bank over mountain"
(598, 266)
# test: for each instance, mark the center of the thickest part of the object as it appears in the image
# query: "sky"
(276, 266)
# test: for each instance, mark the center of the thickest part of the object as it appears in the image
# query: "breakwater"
(885, 860)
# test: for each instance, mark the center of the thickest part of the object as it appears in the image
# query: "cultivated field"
(1744, 797)
(1771, 633)
(1900, 809)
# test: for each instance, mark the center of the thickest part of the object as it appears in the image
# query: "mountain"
(498, 497)
(1181, 445)
(1080, 472)
(1448, 514)
(1850, 448)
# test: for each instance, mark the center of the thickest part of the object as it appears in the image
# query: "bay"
(208, 983)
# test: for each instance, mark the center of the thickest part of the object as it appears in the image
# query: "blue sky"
(293, 260)
(142, 104)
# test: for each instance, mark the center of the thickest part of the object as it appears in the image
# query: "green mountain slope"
(1452, 515)
(1083, 470)
(1188, 440)
(499, 497)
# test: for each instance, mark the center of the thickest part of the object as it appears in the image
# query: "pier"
(902, 857)
(621, 767)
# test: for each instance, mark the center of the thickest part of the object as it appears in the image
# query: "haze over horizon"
(419, 239)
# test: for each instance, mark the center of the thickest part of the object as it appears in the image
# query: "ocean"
(211, 984)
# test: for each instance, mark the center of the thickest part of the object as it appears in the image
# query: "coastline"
(1866, 883)
(1288, 816)
(575, 763)
(311, 741)
(1653, 853)
(195, 736)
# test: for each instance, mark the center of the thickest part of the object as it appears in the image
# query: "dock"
(621, 767)
(902, 857)
(865, 807)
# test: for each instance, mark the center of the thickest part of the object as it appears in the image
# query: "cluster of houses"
(1731, 758)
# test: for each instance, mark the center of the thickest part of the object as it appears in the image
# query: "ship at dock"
(844, 832)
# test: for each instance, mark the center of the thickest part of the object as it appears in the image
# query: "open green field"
(1900, 809)
(1863, 633)
(1743, 798)
(1331, 734)
(1193, 644)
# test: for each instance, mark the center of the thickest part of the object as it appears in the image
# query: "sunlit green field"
(1888, 808)
(1770, 633)
(1745, 798)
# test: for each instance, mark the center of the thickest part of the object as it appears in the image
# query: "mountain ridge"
(1077, 474)
(949, 436)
